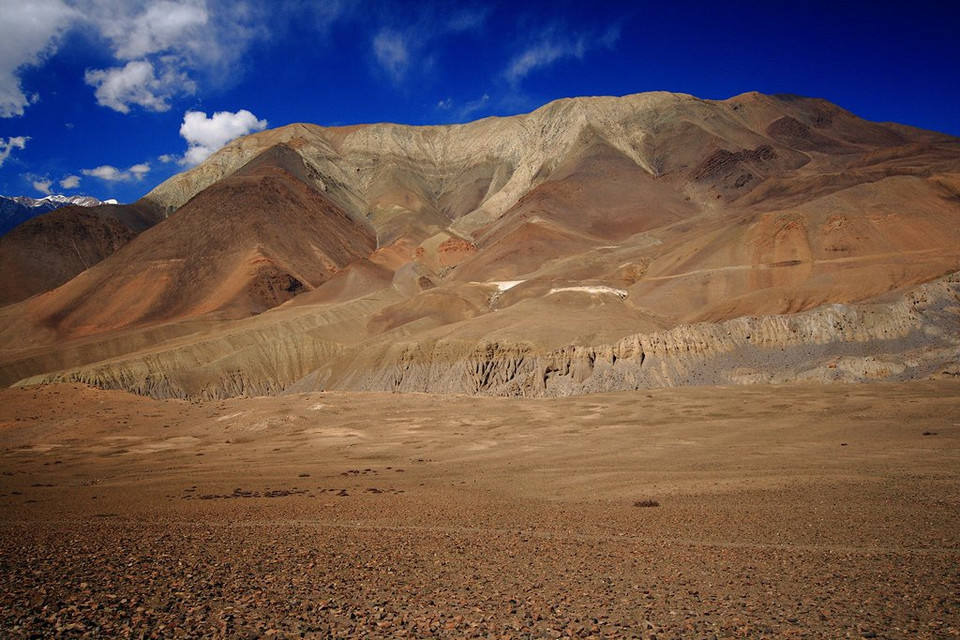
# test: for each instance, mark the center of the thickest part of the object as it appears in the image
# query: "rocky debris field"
(111, 577)
(801, 512)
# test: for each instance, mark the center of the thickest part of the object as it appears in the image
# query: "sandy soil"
(780, 512)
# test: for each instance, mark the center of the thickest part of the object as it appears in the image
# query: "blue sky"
(111, 97)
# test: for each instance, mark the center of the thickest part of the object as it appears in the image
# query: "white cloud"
(140, 170)
(161, 49)
(164, 46)
(8, 145)
(110, 173)
(163, 26)
(167, 158)
(390, 48)
(472, 107)
(405, 49)
(171, 44)
(465, 111)
(540, 55)
(160, 45)
(552, 47)
(204, 39)
(137, 84)
(29, 32)
(70, 182)
(205, 135)
(43, 185)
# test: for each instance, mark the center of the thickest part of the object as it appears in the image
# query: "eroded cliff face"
(914, 336)
(255, 361)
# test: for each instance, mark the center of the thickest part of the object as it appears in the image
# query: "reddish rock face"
(454, 251)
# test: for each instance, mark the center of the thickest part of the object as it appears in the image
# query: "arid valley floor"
(800, 511)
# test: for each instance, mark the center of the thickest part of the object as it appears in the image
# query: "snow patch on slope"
(503, 285)
(594, 289)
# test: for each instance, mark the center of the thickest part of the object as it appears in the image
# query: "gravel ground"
(113, 577)
(846, 531)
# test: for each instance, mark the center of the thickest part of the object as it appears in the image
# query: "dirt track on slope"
(782, 512)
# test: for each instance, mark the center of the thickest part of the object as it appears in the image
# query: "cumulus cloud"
(161, 49)
(140, 170)
(110, 173)
(162, 26)
(137, 84)
(205, 135)
(70, 182)
(205, 39)
(43, 184)
(160, 46)
(552, 47)
(391, 50)
(195, 32)
(29, 32)
(165, 45)
(8, 145)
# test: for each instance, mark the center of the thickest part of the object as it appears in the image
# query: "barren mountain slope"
(479, 170)
(508, 194)
(516, 245)
(46, 251)
(243, 245)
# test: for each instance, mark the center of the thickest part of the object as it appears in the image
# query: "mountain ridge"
(15, 210)
(695, 212)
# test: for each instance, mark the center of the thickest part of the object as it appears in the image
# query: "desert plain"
(800, 511)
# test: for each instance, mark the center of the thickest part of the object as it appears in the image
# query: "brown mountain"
(48, 250)
(596, 243)
(242, 245)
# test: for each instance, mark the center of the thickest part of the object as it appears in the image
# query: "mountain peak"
(59, 200)
(15, 210)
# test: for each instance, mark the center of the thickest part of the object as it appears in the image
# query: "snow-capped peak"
(60, 201)
(18, 209)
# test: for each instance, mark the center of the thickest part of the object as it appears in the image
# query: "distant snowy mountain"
(18, 209)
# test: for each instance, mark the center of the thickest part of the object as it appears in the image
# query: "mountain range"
(18, 209)
(594, 244)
